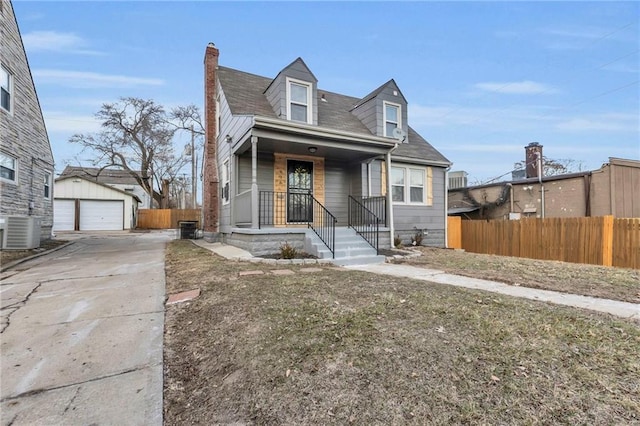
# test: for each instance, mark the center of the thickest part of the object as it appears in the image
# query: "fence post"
(607, 240)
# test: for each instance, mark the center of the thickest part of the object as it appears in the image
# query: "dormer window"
(299, 101)
(392, 116)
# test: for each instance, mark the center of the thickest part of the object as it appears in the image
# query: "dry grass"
(7, 256)
(588, 280)
(347, 347)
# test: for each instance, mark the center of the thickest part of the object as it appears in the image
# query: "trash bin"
(188, 230)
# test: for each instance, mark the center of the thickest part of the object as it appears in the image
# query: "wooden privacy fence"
(166, 218)
(595, 240)
(454, 232)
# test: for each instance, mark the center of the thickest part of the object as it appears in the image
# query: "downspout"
(540, 182)
(389, 197)
(587, 195)
(511, 198)
(446, 207)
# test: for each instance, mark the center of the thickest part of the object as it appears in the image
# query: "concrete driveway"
(82, 332)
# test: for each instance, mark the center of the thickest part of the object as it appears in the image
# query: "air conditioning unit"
(20, 232)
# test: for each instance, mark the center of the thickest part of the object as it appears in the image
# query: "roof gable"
(120, 191)
(391, 84)
(107, 176)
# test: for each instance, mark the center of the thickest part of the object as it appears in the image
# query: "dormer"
(383, 111)
(293, 93)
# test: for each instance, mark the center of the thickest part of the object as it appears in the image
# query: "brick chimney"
(210, 199)
(533, 150)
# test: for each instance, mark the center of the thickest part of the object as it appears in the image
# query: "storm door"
(299, 191)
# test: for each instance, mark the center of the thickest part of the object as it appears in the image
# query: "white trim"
(48, 183)
(406, 169)
(226, 181)
(384, 117)
(309, 105)
(15, 170)
(10, 89)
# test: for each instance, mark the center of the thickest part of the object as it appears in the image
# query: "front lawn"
(349, 347)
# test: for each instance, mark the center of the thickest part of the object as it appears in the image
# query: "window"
(47, 185)
(225, 181)
(391, 118)
(299, 101)
(6, 89)
(408, 185)
(7, 167)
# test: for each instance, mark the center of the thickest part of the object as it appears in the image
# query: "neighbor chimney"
(533, 150)
(210, 200)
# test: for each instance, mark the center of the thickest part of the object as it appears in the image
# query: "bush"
(287, 251)
(397, 241)
(416, 240)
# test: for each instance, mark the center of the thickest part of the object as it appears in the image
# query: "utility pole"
(194, 187)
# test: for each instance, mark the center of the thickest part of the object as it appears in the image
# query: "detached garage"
(82, 205)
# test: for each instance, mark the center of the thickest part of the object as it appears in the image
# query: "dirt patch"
(589, 280)
(7, 256)
(348, 347)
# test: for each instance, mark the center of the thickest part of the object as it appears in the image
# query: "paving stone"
(245, 273)
(183, 297)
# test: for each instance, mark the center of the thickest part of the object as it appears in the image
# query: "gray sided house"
(335, 175)
(26, 160)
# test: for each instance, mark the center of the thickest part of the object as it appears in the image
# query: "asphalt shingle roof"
(244, 93)
(106, 176)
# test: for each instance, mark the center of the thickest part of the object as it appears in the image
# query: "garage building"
(82, 205)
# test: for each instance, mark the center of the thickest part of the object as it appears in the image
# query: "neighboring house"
(610, 190)
(85, 205)
(283, 154)
(26, 160)
(116, 178)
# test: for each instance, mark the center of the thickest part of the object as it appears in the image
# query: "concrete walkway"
(82, 332)
(613, 307)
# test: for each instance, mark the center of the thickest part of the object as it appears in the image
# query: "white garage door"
(101, 215)
(64, 215)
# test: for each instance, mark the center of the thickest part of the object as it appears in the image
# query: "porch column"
(390, 198)
(254, 182)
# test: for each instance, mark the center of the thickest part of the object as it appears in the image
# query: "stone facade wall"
(23, 135)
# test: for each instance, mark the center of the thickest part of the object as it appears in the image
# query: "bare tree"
(554, 167)
(137, 136)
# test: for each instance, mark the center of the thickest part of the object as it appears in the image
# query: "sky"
(482, 79)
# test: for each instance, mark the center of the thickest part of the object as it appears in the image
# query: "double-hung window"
(408, 185)
(6, 89)
(392, 116)
(47, 185)
(299, 101)
(8, 166)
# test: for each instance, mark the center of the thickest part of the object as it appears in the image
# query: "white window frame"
(406, 170)
(47, 185)
(15, 169)
(226, 181)
(309, 104)
(9, 89)
(384, 117)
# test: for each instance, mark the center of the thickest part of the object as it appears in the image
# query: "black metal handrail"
(365, 223)
(324, 225)
(378, 206)
(289, 208)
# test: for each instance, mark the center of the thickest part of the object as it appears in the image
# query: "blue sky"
(483, 79)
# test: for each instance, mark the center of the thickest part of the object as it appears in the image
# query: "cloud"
(609, 122)
(61, 122)
(516, 87)
(53, 41)
(84, 80)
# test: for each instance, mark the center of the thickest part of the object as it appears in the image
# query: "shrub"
(397, 241)
(416, 240)
(287, 251)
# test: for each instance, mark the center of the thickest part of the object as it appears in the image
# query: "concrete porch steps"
(350, 248)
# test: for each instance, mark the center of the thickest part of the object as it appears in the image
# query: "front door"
(299, 191)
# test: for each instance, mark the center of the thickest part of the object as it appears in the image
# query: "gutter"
(319, 132)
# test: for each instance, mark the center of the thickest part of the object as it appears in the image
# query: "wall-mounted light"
(228, 138)
(312, 149)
